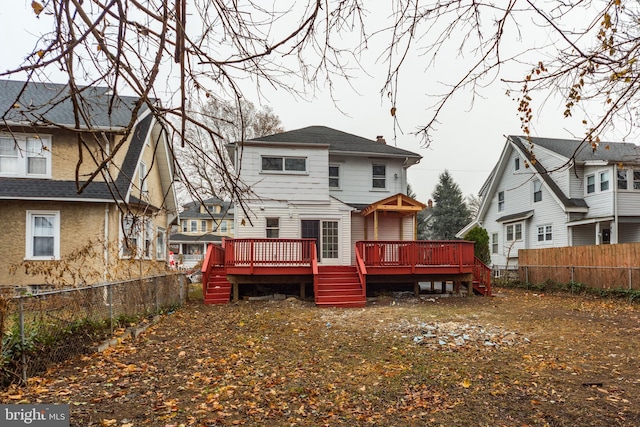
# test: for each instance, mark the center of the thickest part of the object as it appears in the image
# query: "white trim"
(29, 235)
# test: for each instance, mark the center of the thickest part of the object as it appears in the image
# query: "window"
(334, 176)
(622, 179)
(223, 226)
(185, 226)
(516, 163)
(43, 235)
(203, 225)
(537, 190)
(284, 164)
(131, 235)
(379, 175)
(194, 226)
(514, 232)
(494, 243)
(142, 177)
(148, 238)
(591, 184)
(273, 228)
(501, 201)
(604, 181)
(636, 180)
(545, 234)
(23, 156)
(329, 239)
(160, 244)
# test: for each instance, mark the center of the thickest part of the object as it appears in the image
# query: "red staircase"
(481, 278)
(339, 286)
(217, 289)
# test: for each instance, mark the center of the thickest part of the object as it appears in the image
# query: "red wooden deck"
(282, 260)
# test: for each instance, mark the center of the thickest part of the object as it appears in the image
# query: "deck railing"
(362, 270)
(269, 252)
(482, 274)
(416, 253)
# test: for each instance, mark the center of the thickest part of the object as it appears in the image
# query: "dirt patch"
(517, 359)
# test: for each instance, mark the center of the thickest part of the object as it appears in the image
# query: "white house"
(547, 192)
(322, 183)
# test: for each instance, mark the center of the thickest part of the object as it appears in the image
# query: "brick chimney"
(380, 139)
(430, 203)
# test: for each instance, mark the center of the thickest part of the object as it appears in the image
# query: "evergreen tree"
(450, 212)
(481, 249)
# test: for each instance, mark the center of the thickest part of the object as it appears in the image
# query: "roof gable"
(614, 152)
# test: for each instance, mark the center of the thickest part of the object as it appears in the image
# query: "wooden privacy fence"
(598, 266)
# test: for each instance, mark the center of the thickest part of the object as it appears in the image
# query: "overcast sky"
(467, 141)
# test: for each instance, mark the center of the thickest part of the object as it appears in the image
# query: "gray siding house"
(546, 192)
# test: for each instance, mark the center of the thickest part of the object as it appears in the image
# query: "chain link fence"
(49, 327)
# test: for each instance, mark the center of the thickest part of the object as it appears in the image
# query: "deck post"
(444, 286)
(470, 288)
(236, 292)
(456, 287)
(302, 291)
(416, 289)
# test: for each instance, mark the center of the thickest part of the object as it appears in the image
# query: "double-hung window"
(621, 176)
(501, 201)
(636, 179)
(591, 184)
(334, 176)
(160, 244)
(537, 190)
(494, 243)
(273, 228)
(514, 232)
(379, 176)
(43, 235)
(604, 181)
(25, 156)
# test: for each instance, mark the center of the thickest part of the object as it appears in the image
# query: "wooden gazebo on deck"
(399, 205)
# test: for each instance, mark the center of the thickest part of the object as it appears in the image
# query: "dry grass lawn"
(518, 359)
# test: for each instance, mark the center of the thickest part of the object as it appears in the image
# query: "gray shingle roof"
(192, 209)
(20, 188)
(521, 143)
(338, 141)
(608, 151)
(50, 103)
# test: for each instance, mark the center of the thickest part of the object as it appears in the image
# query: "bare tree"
(473, 203)
(234, 122)
(210, 49)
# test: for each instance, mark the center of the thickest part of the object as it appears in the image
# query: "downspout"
(614, 230)
(106, 242)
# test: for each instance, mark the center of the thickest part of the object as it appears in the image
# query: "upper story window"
(516, 164)
(284, 164)
(194, 226)
(203, 225)
(604, 181)
(25, 156)
(223, 227)
(334, 176)
(43, 235)
(379, 176)
(185, 225)
(537, 190)
(591, 184)
(621, 177)
(636, 179)
(514, 232)
(273, 228)
(501, 201)
(142, 177)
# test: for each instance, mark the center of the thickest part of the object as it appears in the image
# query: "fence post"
(572, 276)
(526, 274)
(181, 282)
(23, 356)
(110, 299)
(630, 282)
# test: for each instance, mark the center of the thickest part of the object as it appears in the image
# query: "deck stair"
(481, 278)
(339, 286)
(217, 289)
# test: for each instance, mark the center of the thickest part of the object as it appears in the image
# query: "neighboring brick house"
(201, 223)
(55, 235)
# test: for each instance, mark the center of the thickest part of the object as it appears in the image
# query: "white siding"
(628, 202)
(600, 202)
(300, 187)
(584, 235)
(356, 184)
(628, 232)
(576, 182)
